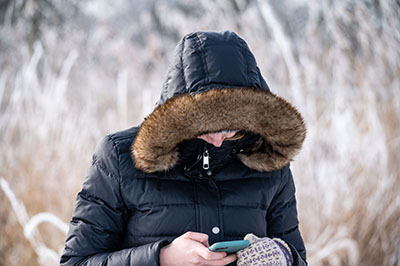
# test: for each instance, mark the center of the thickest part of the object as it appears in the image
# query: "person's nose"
(217, 140)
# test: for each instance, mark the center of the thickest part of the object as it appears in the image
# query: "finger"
(224, 261)
(252, 238)
(206, 254)
(229, 259)
(198, 237)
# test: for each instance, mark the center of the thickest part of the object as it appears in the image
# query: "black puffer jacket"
(147, 185)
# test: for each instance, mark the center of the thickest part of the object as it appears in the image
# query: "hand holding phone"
(191, 249)
(230, 246)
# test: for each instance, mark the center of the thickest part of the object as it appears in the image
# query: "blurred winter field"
(73, 71)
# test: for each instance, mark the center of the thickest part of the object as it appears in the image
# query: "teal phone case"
(229, 246)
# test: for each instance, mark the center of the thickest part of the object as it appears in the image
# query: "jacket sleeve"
(98, 221)
(282, 219)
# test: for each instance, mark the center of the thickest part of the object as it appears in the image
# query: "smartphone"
(229, 246)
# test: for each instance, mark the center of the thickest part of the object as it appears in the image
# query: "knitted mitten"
(264, 252)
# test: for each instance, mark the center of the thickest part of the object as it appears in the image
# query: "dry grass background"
(99, 69)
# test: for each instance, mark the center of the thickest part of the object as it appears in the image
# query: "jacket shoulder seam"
(282, 183)
(119, 177)
(116, 148)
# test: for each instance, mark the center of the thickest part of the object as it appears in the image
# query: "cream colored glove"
(264, 252)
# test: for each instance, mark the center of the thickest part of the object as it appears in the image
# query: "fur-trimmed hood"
(214, 84)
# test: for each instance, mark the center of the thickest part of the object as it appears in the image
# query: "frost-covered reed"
(46, 256)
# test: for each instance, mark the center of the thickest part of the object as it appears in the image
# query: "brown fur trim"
(187, 116)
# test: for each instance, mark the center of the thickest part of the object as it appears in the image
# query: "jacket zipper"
(206, 160)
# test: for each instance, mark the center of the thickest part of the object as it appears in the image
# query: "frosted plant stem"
(39, 218)
(331, 249)
(18, 207)
(45, 255)
(122, 96)
(284, 45)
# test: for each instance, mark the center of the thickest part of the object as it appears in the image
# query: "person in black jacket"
(209, 164)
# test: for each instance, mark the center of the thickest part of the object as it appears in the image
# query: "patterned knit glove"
(265, 252)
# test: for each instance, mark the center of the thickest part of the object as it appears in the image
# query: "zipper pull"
(206, 160)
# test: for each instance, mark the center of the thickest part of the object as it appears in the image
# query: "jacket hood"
(214, 84)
